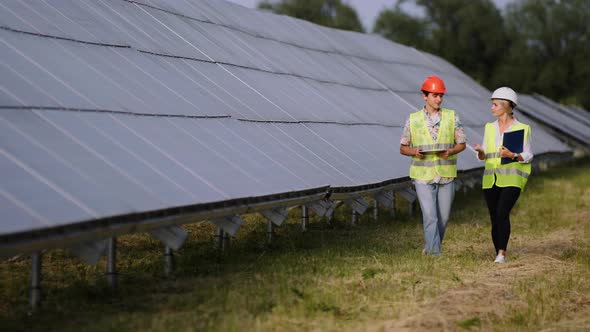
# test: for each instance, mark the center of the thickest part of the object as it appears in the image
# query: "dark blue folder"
(513, 141)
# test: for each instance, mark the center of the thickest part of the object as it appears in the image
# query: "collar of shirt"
(497, 125)
(431, 119)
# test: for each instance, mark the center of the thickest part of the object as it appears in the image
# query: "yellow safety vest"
(508, 175)
(428, 167)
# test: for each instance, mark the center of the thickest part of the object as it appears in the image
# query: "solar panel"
(568, 111)
(553, 118)
(113, 113)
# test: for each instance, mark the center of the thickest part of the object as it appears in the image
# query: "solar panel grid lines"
(279, 40)
(15, 209)
(208, 150)
(337, 159)
(163, 80)
(41, 148)
(73, 234)
(246, 151)
(551, 117)
(583, 112)
(97, 115)
(14, 187)
(261, 65)
(70, 10)
(34, 174)
(138, 108)
(72, 130)
(578, 116)
(294, 97)
(282, 149)
(580, 111)
(136, 4)
(20, 9)
(373, 148)
(17, 56)
(122, 87)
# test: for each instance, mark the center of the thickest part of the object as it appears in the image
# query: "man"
(433, 137)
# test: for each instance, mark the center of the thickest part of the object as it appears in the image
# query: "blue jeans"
(435, 203)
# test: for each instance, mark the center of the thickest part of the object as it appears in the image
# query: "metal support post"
(219, 239)
(168, 261)
(269, 231)
(375, 209)
(35, 286)
(226, 240)
(304, 218)
(393, 207)
(112, 262)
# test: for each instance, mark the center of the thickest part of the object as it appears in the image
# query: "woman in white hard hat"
(506, 172)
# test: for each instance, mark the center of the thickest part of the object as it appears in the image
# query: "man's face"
(433, 100)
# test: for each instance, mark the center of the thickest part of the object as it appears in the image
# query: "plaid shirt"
(433, 124)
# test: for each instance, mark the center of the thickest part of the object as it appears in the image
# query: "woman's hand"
(481, 154)
(478, 148)
(505, 153)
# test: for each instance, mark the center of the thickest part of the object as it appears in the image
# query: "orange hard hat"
(434, 84)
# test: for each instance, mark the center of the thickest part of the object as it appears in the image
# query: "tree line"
(532, 46)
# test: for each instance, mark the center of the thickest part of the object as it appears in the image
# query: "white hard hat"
(506, 94)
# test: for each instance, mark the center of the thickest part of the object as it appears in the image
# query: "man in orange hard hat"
(433, 136)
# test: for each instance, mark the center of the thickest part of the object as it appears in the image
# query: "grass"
(334, 276)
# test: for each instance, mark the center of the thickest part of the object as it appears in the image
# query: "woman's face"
(497, 108)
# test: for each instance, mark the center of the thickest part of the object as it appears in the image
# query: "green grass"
(334, 276)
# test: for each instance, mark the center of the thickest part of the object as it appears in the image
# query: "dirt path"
(488, 296)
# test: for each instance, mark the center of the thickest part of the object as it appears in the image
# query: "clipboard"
(513, 141)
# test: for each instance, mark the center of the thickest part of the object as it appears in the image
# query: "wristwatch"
(515, 156)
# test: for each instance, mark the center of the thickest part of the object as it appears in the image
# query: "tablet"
(432, 151)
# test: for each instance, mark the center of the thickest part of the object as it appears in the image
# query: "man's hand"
(419, 154)
(406, 150)
(445, 154)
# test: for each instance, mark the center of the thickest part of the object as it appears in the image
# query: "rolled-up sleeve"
(460, 136)
(406, 139)
(527, 149)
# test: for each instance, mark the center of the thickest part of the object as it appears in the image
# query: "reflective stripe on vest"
(434, 162)
(429, 147)
(431, 165)
(506, 171)
(493, 155)
(513, 174)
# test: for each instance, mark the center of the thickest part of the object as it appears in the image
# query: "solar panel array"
(113, 108)
(578, 114)
(569, 122)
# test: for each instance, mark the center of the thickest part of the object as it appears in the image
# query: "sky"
(369, 9)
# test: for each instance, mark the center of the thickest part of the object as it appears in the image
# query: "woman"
(503, 182)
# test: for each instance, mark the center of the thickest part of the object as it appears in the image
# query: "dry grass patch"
(501, 295)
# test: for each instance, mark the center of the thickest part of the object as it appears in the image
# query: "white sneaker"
(500, 259)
